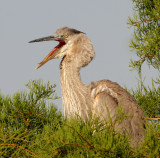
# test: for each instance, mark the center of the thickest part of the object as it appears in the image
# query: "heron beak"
(52, 54)
(48, 38)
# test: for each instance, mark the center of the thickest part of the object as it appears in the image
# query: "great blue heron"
(101, 98)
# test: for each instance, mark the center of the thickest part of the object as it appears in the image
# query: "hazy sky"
(103, 21)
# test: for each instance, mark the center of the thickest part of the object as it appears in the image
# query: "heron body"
(101, 98)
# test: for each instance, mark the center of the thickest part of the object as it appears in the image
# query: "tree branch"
(143, 58)
(145, 20)
(15, 145)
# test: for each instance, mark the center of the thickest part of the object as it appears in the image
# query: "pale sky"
(104, 22)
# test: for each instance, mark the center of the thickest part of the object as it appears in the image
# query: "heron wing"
(113, 103)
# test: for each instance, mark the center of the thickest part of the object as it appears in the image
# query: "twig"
(145, 20)
(29, 114)
(17, 139)
(59, 151)
(153, 118)
(137, 1)
(145, 57)
(15, 145)
(27, 125)
(79, 145)
(81, 137)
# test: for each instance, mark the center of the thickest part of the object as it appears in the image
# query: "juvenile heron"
(101, 98)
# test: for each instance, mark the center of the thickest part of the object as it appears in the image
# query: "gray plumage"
(99, 97)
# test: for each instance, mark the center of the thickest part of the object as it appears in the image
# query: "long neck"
(75, 95)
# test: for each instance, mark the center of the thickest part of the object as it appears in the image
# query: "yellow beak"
(52, 54)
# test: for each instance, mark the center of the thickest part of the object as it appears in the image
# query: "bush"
(30, 126)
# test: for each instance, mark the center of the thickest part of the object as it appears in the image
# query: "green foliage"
(146, 40)
(151, 146)
(148, 99)
(23, 117)
(31, 128)
(146, 45)
(76, 138)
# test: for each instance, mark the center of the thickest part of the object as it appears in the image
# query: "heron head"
(63, 36)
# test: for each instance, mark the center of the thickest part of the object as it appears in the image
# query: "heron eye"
(65, 36)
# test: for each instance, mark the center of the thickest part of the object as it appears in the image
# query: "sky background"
(104, 22)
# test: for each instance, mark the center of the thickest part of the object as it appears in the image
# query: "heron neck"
(75, 94)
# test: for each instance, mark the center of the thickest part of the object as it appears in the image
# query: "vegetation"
(148, 99)
(145, 44)
(29, 128)
(146, 40)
